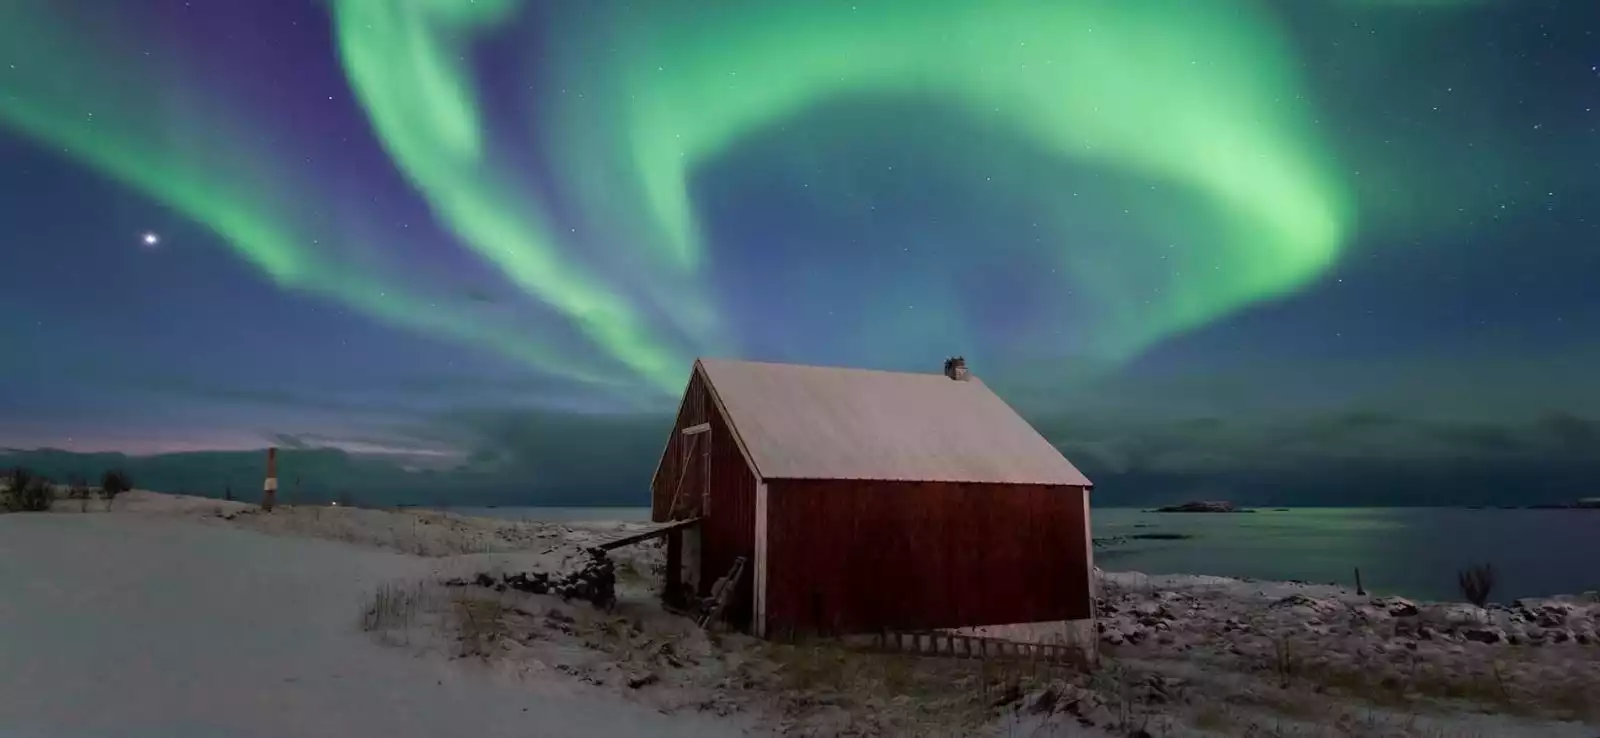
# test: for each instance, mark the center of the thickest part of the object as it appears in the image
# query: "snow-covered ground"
(185, 614)
(137, 624)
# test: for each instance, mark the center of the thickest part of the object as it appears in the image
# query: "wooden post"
(1359, 591)
(269, 488)
(673, 592)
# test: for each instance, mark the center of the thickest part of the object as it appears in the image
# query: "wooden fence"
(954, 645)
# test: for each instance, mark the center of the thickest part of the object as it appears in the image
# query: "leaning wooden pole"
(269, 488)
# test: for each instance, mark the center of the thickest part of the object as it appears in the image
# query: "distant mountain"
(321, 475)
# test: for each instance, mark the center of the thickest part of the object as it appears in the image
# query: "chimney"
(955, 368)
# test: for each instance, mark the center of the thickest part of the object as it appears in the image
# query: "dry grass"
(1491, 685)
(1286, 663)
(395, 609)
(472, 621)
(480, 623)
(889, 689)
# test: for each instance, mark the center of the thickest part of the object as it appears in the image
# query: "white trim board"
(1089, 583)
(732, 422)
(760, 594)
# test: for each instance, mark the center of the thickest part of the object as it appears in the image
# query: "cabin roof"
(813, 422)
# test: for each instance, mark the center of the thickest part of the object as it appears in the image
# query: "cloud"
(539, 457)
(1357, 457)
(605, 456)
(289, 441)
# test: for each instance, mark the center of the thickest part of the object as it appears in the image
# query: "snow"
(132, 624)
(184, 617)
(817, 422)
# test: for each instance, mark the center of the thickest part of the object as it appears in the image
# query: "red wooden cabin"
(868, 500)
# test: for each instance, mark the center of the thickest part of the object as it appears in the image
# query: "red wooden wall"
(857, 556)
(728, 530)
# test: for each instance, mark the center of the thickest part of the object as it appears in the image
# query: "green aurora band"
(142, 131)
(1198, 94)
(1200, 97)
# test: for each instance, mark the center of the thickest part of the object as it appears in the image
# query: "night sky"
(1329, 251)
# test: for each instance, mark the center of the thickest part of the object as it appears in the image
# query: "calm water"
(1408, 551)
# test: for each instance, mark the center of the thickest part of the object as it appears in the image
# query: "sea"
(1407, 551)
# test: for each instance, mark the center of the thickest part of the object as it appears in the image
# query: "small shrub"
(28, 492)
(19, 478)
(1476, 583)
(80, 491)
(114, 482)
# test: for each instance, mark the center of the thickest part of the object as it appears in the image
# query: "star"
(150, 238)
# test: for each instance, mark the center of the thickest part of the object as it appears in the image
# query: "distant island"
(1586, 503)
(1203, 506)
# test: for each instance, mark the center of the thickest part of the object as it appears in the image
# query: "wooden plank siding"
(848, 556)
(692, 411)
(727, 526)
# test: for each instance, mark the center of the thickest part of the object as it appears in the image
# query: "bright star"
(150, 239)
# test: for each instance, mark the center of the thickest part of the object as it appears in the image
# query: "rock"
(1012, 694)
(1043, 700)
(636, 681)
(1315, 608)
(1483, 635)
(1397, 607)
(595, 581)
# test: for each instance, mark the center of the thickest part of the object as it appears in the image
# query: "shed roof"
(812, 422)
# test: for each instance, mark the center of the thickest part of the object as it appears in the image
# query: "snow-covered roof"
(812, 422)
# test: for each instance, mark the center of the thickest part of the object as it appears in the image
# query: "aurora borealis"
(399, 224)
